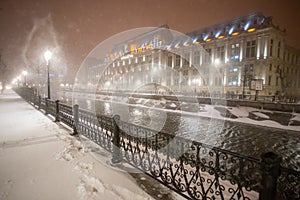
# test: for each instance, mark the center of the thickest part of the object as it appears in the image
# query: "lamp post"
(18, 79)
(48, 56)
(25, 77)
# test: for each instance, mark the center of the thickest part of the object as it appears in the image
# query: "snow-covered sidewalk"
(40, 160)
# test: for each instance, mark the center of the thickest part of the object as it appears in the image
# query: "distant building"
(226, 58)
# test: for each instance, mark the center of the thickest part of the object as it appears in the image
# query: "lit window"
(232, 80)
(233, 69)
(235, 51)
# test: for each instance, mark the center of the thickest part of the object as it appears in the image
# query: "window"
(269, 80)
(232, 80)
(207, 55)
(185, 72)
(170, 61)
(206, 81)
(292, 61)
(235, 51)
(278, 52)
(218, 81)
(220, 53)
(248, 69)
(270, 67)
(271, 47)
(196, 57)
(233, 69)
(177, 61)
(250, 49)
(277, 81)
(186, 60)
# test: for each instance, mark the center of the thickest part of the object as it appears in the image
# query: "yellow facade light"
(221, 37)
(132, 48)
(251, 30)
(235, 33)
(197, 42)
(177, 47)
(148, 46)
(208, 40)
(140, 49)
(186, 44)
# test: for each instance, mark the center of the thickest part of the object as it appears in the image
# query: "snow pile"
(261, 115)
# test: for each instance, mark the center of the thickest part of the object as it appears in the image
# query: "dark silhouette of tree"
(4, 74)
(284, 81)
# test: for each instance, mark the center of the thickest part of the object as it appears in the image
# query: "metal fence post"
(270, 167)
(57, 111)
(46, 106)
(117, 156)
(39, 102)
(76, 118)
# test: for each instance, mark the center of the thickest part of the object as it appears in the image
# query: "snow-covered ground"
(40, 160)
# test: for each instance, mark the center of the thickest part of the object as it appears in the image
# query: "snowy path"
(39, 160)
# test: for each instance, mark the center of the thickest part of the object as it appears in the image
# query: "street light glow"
(48, 55)
(217, 61)
(25, 73)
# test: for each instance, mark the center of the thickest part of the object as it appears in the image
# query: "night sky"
(74, 27)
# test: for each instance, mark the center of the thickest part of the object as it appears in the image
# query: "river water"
(245, 139)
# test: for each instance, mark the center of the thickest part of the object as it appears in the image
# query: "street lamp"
(48, 55)
(25, 77)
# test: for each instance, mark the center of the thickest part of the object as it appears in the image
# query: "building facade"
(247, 56)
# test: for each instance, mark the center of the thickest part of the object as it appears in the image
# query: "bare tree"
(284, 81)
(4, 74)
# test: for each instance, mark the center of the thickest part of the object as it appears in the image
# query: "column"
(258, 47)
(266, 46)
(241, 49)
(226, 52)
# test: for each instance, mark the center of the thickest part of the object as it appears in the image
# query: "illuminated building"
(213, 61)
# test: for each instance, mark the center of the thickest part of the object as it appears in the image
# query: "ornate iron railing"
(51, 107)
(97, 128)
(289, 184)
(193, 169)
(43, 104)
(66, 114)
